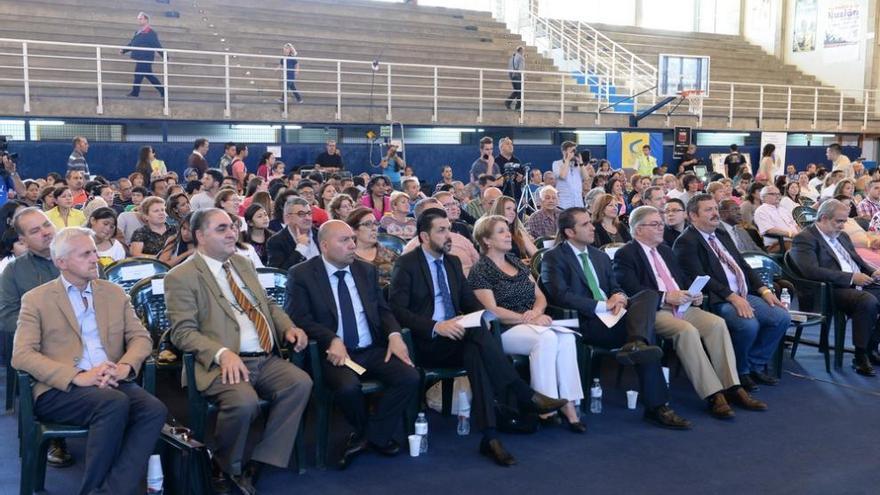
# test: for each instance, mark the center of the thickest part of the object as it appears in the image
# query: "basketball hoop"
(694, 98)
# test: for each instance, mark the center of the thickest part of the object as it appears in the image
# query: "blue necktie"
(448, 308)
(346, 309)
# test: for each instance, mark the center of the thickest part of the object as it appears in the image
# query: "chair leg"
(585, 363)
(839, 340)
(40, 465)
(11, 383)
(300, 447)
(446, 392)
(824, 347)
(798, 331)
(322, 432)
(28, 468)
(777, 358)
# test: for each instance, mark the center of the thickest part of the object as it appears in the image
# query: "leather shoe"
(741, 398)
(665, 417)
(747, 383)
(390, 449)
(221, 484)
(638, 352)
(552, 420)
(863, 366)
(495, 451)
(874, 356)
(719, 408)
(576, 427)
(764, 378)
(57, 456)
(543, 404)
(354, 446)
(247, 481)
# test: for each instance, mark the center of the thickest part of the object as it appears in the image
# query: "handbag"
(186, 464)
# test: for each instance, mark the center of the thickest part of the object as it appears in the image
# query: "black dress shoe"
(764, 378)
(247, 481)
(221, 483)
(391, 449)
(874, 357)
(747, 383)
(638, 352)
(57, 456)
(495, 451)
(354, 446)
(665, 417)
(575, 427)
(863, 366)
(543, 404)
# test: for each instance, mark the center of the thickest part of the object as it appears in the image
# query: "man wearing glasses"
(771, 219)
(674, 216)
(646, 263)
(297, 242)
(453, 211)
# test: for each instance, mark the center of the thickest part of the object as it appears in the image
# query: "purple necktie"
(727, 260)
(665, 277)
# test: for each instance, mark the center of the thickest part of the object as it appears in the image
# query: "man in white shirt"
(211, 181)
(839, 161)
(828, 191)
(774, 220)
(570, 174)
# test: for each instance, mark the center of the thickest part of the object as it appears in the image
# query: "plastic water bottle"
(785, 299)
(464, 414)
(154, 475)
(596, 397)
(422, 431)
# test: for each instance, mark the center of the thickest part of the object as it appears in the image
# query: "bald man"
(358, 327)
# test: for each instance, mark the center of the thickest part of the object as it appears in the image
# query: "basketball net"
(694, 98)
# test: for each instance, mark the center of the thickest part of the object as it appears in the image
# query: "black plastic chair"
(200, 408)
(149, 305)
(11, 383)
(35, 434)
(804, 216)
(323, 400)
(817, 298)
(278, 291)
(129, 271)
(392, 242)
(771, 271)
(540, 242)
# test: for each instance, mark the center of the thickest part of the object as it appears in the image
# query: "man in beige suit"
(647, 263)
(82, 342)
(219, 312)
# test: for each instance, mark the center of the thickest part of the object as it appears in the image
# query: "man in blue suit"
(577, 276)
(145, 37)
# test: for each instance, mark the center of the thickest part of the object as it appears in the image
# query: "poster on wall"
(681, 139)
(778, 139)
(842, 23)
(804, 36)
(623, 148)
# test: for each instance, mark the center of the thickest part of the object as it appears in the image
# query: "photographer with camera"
(392, 165)
(485, 164)
(511, 169)
(689, 159)
(570, 174)
(9, 178)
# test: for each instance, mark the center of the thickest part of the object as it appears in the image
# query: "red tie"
(665, 277)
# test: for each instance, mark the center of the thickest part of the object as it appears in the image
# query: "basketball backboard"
(677, 73)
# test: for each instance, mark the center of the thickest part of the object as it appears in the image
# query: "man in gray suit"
(219, 312)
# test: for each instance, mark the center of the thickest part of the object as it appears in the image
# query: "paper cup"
(632, 398)
(666, 374)
(415, 442)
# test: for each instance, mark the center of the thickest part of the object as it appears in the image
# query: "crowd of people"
(466, 246)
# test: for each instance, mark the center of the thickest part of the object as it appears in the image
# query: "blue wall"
(113, 160)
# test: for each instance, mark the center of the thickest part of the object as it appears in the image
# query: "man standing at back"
(196, 159)
(77, 158)
(569, 173)
(515, 66)
(839, 161)
(219, 311)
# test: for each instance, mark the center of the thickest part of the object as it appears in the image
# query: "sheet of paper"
(136, 272)
(267, 280)
(157, 286)
(472, 320)
(570, 323)
(609, 318)
(360, 370)
(275, 150)
(695, 289)
(755, 262)
(555, 328)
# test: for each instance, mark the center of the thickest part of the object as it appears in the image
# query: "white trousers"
(552, 360)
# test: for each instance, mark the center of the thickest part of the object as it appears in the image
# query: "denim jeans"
(754, 339)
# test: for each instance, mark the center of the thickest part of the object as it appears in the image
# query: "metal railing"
(39, 73)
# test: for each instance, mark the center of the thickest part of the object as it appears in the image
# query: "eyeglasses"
(652, 225)
(303, 214)
(673, 210)
(370, 224)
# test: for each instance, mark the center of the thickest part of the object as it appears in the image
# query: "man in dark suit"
(144, 37)
(577, 276)
(428, 293)
(754, 316)
(823, 252)
(196, 159)
(298, 241)
(701, 339)
(358, 327)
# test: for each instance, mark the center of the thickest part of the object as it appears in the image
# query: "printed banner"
(842, 23)
(622, 148)
(804, 36)
(780, 140)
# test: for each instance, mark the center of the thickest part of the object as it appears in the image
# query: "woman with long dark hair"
(376, 198)
(267, 163)
(180, 246)
(257, 219)
(102, 222)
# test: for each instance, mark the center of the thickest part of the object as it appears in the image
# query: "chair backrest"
(545, 242)
(274, 281)
(148, 299)
(805, 201)
(765, 266)
(536, 264)
(611, 248)
(391, 242)
(129, 271)
(804, 216)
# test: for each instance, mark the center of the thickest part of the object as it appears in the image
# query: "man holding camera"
(509, 166)
(392, 165)
(570, 174)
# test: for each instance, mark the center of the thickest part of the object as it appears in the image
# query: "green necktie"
(591, 278)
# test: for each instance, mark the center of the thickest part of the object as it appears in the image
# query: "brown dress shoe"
(719, 408)
(739, 397)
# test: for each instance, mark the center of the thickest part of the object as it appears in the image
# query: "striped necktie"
(259, 321)
(731, 264)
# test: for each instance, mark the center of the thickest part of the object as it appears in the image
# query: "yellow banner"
(631, 147)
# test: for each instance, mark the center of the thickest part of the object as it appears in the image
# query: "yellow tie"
(260, 323)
